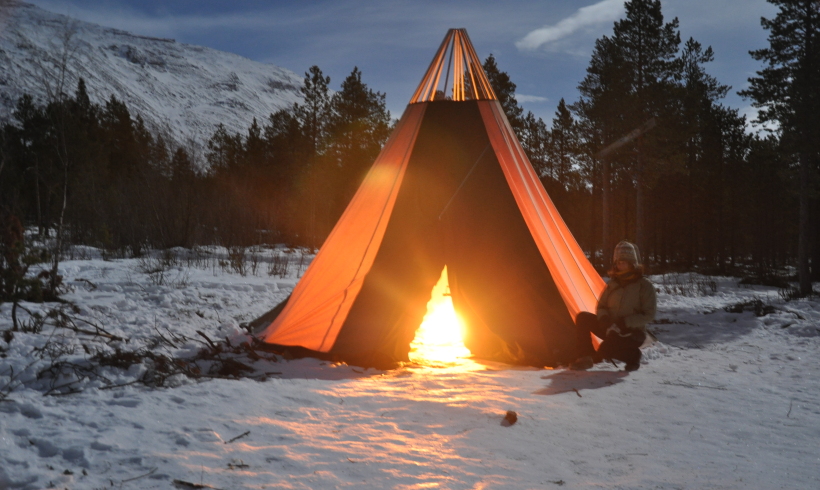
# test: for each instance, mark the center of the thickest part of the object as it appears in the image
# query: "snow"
(181, 90)
(724, 400)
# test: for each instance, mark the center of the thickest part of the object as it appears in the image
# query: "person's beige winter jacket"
(635, 302)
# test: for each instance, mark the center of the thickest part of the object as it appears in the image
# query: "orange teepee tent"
(452, 187)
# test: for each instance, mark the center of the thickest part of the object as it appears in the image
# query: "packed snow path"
(724, 400)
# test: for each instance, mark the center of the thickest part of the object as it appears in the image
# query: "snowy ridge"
(180, 89)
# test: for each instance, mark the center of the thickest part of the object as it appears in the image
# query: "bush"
(757, 306)
(765, 277)
(15, 261)
(687, 285)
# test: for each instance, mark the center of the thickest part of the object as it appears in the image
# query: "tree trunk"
(606, 197)
(815, 251)
(804, 237)
(640, 201)
(58, 248)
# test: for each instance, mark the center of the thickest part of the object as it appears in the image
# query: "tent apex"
(463, 75)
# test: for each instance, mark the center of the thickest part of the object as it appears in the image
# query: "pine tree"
(358, 127)
(786, 93)
(564, 148)
(313, 115)
(504, 90)
(534, 138)
(629, 80)
(224, 151)
(701, 123)
(286, 147)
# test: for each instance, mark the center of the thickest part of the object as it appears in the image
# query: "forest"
(648, 153)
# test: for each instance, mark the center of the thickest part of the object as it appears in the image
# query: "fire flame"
(440, 335)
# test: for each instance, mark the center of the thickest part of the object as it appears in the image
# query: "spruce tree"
(786, 93)
(629, 81)
(534, 138)
(504, 90)
(358, 127)
(564, 148)
(313, 116)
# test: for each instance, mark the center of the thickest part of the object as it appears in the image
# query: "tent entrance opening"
(441, 333)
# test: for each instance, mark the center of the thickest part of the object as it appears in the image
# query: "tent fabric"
(453, 188)
(578, 282)
(320, 301)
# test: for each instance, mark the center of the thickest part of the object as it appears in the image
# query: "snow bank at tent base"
(724, 401)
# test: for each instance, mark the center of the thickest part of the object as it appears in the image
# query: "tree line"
(691, 185)
(96, 174)
(648, 152)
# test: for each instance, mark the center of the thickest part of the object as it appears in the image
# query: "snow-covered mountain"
(182, 89)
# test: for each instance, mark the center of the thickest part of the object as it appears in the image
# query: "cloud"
(584, 18)
(525, 99)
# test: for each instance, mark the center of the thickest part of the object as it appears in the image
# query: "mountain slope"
(181, 89)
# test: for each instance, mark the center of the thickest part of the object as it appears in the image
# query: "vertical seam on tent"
(541, 217)
(399, 177)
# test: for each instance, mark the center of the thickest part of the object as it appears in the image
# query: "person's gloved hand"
(618, 328)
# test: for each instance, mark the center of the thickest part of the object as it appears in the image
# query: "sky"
(544, 46)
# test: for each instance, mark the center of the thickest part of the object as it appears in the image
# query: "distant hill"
(181, 89)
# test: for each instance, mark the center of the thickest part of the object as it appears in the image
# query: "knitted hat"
(627, 252)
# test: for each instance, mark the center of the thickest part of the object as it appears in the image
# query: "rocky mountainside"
(180, 89)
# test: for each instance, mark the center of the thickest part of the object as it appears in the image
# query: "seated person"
(625, 307)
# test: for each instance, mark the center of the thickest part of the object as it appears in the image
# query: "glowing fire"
(439, 337)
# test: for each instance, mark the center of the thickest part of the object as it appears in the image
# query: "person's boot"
(634, 363)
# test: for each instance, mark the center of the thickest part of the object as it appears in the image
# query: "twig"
(111, 387)
(207, 338)
(798, 315)
(687, 385)
(240, 436)
(95, 334)
(577, 393)
(101, 331)
(162, 336)
(25, 309)
(141, 476)
(93, 286)
(73, 391)
(187, 484)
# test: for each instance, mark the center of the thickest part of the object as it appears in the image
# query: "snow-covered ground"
(725, 399)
